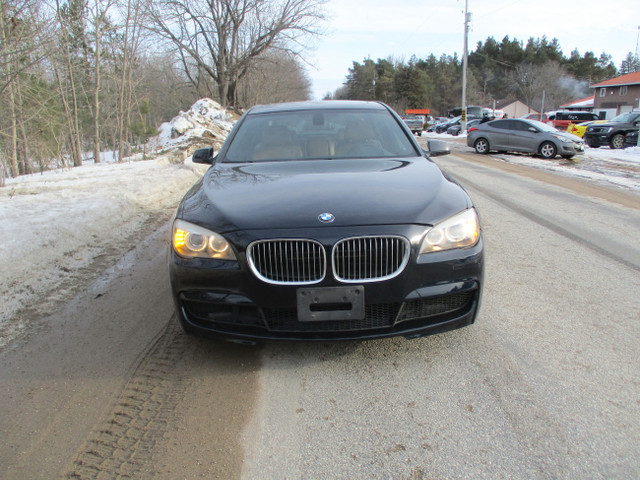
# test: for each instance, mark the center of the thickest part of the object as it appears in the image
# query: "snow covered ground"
(62, 228)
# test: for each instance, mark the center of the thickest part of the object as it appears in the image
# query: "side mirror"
(203, 155)
(438, 148)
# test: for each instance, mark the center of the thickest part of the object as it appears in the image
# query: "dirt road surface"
(105, 387)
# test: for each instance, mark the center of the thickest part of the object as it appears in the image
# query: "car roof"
(316, 105)
(504, 120)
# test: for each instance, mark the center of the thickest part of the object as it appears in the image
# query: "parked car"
(612, 133)
(414, 122)
(492, 114)
(437, 121)
(631, 139)
(443, 127)
(526, 136)
(455, 130)
(324, 221)
(562, 119)
(542, 117)
(473, 111)
(579, 128)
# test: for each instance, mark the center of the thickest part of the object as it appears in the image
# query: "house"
(584, 105)
(512, 108)
(617, 95)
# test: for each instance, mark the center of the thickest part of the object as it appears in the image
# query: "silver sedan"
(525, 136)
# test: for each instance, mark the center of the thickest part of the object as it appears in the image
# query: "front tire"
(548, 150)
(617, 141)
(482, 146)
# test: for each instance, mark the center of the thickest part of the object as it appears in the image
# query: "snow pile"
(206, 123)
(62, 228)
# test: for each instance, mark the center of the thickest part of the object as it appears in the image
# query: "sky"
(359, 29)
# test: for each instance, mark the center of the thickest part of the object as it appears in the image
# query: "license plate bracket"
(330, 303)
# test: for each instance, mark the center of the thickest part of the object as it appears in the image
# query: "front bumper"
(595, 140)
(571, 149)
(436, 293)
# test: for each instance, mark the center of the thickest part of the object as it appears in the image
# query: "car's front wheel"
(617, 141)
(481, 145)
(548, 150)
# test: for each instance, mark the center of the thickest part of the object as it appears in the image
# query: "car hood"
(609, 123)
(570, 136)
(292, 194)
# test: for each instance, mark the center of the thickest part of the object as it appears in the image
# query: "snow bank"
(62, 228)
(205, 123)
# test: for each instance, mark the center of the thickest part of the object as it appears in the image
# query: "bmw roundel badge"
(326, 217)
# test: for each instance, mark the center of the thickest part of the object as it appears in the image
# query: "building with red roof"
(584, 104)
(617, 95)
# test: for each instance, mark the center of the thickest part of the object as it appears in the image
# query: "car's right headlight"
(563, 139)
(461, 230)
(191, 240)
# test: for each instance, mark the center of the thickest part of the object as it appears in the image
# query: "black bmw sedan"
(324, 221)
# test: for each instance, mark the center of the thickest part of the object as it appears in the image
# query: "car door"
(524, 137)
(499, 134)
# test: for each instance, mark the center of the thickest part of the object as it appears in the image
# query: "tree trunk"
(96, 97)
(13, 149)
(123, 88)
(25, 164)
(13, 142)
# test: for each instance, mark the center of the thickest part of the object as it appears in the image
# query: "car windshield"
(542, 126)
(318, 134)
(625, 117)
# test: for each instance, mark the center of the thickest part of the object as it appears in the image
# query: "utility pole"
(637, 42)
(463, 113)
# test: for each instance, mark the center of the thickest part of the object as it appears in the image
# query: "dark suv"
(612, 133)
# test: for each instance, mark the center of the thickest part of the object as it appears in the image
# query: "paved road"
(545, 385)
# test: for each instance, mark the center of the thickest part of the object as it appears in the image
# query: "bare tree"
(528, 81)
(133, 13)
(274, 77)
(99, 20)
(70, 68)
(25, 35)
(221, 38)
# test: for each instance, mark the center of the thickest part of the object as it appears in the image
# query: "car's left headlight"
(191, 240)
(461, 230)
